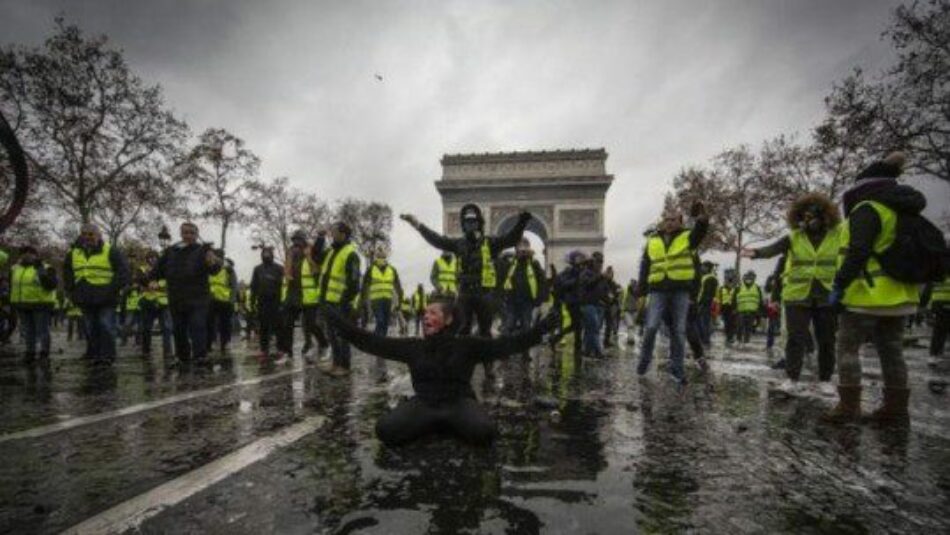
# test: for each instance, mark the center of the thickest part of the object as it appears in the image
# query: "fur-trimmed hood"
(797, 209)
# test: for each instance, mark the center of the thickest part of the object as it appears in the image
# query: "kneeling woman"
(441, 365)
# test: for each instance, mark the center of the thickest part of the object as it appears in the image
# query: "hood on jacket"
(802, 204)
(898, 197)
(473, 209)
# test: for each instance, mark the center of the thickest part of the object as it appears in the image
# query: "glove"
(834, 297)
(524, 217)
(552, 320)
(697, 209)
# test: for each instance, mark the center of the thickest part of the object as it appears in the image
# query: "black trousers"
(190, 330)
(268, 318)
(310, 328)
(746, 325)
(729, 323)
(798, 321)
(577, 325)
(219, 323)
(413, 419)
(938, 338)
(478, 307)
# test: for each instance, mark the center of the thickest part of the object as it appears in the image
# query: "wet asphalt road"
(584, 447)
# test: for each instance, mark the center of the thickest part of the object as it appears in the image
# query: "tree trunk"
(224, 231)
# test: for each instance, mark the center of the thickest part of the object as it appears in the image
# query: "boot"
(848, 408)
(894, 408)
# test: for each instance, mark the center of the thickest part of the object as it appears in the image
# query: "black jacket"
(469, 253)
(567, 286)
(594, 288)
(186, 273)
(266, 282)
(696, 235)
(83, 294)
(864, 223)
(520, 289)
(441, 366)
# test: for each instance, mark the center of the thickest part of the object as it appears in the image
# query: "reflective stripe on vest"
(748, 298)
(805, 264)
(447, 274)
(159, 296)
(941, 292)
(333, 277)
(405, 306)
(419, 300)
(872, 288)
(132, 301)
(382, 282)
(220, 286)
(309, 290)
(95, 270)
(489, 277)
(25, 287)
(675, 263)
(532, 278)
(725, 296)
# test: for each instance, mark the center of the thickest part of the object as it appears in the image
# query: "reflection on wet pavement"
(584, 447)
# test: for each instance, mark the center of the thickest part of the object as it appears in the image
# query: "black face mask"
(267, 259)
(469, 226)
(815, 225)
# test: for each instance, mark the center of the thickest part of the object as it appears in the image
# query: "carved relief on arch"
(579, 220)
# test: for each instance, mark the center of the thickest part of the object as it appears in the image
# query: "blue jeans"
(382, 309)
(190, 324)
(519, 315)
(676, 305)
(35, 326)
(101, 331)
(150, 314)
(593, 318)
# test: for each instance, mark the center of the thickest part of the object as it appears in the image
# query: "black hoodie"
(864, 223)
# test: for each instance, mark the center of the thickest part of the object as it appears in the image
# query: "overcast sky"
(658, 84)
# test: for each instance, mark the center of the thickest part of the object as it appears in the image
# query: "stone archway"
(565, 190)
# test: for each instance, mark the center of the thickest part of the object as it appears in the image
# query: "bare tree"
(276, 210)
(220, 170)
(372, 223)
(742, 205)
(87, 123)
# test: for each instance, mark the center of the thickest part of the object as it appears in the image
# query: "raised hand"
(411, 219)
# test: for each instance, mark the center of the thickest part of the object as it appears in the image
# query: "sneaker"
(780, 365)
(826, 389)
(308, 352)
(338, 371)
(788, 387)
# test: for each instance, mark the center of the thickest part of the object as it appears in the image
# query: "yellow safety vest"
(159, 296)
(405, 306)
(725, 296)
(674, 263)
(309, 290)
(447, 275)
(132, 301)
(220, 286)
(940, 292)
(95, 270)
(419, 301)
(749, 298)
(489, 277)
(333, 277)
(702, 284)
(805, 264)
(532, 278)
(382, 282)
(25, 287)
(881, 291)
(72, 311)
(565, 318)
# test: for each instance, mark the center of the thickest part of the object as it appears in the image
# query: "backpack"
(919, 253)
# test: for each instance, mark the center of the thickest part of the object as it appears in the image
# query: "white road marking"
(134, 409)
(130, 514)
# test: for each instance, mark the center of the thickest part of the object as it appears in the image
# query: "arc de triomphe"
(565, 190)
